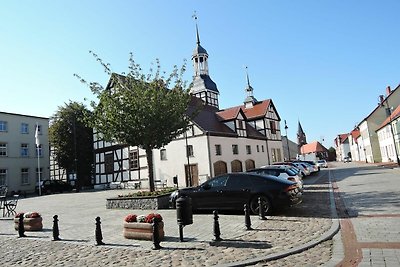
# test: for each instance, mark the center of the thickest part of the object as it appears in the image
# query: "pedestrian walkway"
(294, 231)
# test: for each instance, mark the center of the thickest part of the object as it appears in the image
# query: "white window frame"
(3, 177)
(3, 126)
(3, 150)
(24, 176)
(40, 150)
(24, 150)
(24, 128)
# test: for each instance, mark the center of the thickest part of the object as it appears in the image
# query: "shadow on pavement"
(238, 243)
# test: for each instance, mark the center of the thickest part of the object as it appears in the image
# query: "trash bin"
(184, 214)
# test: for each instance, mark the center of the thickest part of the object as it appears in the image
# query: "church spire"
(203, 87)
(301, 138)
(250, 100)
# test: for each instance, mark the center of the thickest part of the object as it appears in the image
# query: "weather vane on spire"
(197, 29)
(194, 15)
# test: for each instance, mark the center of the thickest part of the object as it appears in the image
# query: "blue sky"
(321, 62)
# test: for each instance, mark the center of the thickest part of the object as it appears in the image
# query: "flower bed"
(32, 221)
(141, 227)
(143, 203)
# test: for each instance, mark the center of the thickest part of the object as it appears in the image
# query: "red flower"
(34, 215)
(152, 216)
(130, 218)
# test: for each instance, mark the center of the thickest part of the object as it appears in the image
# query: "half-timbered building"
(218, 140)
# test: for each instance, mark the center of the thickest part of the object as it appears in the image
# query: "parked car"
(322, 163)
(346, 159)
(53, 186)
(303, 168)
(231, 191)
(287, 163)
(282, 171)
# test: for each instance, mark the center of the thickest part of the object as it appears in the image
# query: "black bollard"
(21, 228)
(217, 232)
(261, 211)
(156, 234)
(99, 236)
(56, 232)
(247, 220)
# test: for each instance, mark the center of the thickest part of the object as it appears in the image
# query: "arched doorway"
(220, 168)
(236, 166)
(250, 164)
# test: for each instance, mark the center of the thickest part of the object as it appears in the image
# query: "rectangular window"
(262, 148)
(235, 149)
(3, 176)
(38, 151)
(248, 150)
(258, 148)
(218, 150)
(133, 159)
(39, 127)
(273, 127)
(24, 150)
(163, 154)
(189, 151)
(39, 173)
(109, 162)
(3, 126)
(3, 149)
(24, 176)
(24, 128)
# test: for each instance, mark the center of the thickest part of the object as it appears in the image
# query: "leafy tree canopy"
(137, 109)
(72, 140)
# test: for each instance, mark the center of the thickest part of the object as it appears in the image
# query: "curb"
(335, 227)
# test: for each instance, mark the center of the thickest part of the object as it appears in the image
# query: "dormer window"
(240, 127)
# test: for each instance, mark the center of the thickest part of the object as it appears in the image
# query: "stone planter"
(30, 224)
(141, 203)
(142, 231)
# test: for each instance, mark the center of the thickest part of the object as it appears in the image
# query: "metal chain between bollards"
(98, 234)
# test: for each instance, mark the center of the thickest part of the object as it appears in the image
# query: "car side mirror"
(206, 186)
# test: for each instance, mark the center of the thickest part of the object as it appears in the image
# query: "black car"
(231, 191)
(54, 186)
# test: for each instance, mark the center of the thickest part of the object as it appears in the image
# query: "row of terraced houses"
(377, 137)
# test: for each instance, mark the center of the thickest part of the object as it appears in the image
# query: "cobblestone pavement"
(289, 230)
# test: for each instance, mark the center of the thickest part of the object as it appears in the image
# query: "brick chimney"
(388, 90)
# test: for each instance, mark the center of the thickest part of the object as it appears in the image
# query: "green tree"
(144, 110)
(72, 139)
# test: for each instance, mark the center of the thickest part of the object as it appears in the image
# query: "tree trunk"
(149, 156)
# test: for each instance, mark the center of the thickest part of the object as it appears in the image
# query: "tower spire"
(203, 86)
(250, 100)
(197, 28)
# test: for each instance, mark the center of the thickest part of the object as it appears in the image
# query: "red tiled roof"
(355, 133)
(395, 115)
(312, 147)
(259, 109)
(228, 114)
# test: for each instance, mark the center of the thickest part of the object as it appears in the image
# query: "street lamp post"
(391, 127)
(287, 141)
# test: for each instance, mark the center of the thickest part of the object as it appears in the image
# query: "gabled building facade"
(19, 167)
(218, 141)
(369, 126)
(342, 147)
(389, 136)
(354, 146)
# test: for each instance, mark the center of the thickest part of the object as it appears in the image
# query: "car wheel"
(254, 207)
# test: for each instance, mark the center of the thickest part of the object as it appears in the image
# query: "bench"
(115, 185)
(132, 185)
(160, 183)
